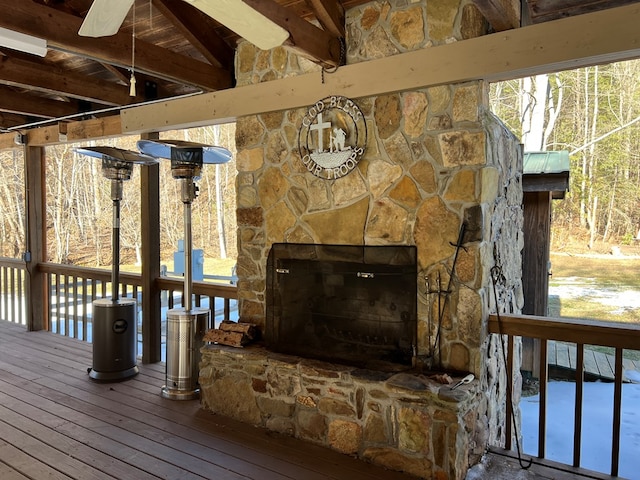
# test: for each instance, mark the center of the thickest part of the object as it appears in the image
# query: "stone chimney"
(435, 160)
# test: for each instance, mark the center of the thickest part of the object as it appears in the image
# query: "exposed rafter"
(44, 78)
(330, 14)
(198, 29)
(9, 120)
(61, 31)
(13, 101)
(501, 14)
(304, 38)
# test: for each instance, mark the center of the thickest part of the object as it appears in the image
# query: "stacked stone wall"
(402, 421)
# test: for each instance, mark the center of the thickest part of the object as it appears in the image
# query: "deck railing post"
(577, 421)
(37, 300)
(617, 407)
(542, 415)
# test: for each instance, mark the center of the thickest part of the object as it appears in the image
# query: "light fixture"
(23, 43)
(245, 21)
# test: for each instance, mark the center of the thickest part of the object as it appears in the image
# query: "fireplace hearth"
(348, 304)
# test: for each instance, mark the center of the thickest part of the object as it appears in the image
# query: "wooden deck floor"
(56, 423)
(597, 365)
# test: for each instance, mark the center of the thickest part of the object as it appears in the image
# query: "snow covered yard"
(596, 426)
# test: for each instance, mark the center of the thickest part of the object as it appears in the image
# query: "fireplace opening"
(349, 304)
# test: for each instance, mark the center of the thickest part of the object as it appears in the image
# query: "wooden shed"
(545, 178)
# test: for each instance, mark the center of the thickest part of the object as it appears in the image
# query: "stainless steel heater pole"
(185, 326)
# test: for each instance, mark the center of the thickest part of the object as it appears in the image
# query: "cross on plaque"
(320, 127)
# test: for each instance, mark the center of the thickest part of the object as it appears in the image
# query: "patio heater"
(115, 318)
(185, 326)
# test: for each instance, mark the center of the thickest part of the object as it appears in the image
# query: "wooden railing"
(12, 290)
(619, 336)
(71, 291)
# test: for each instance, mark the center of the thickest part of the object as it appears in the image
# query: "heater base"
(185, 332)
(113, 376)
(175, 394)
(114, 339)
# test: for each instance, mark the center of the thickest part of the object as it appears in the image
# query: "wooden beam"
(107, 127)
(535, 254)
(47, 79)
(330, 14)
(61, 31)
(304, 38)
(545, 182)
(559, 45)
(198, 28)
(13, 101)
(501, 14)
(545, 11)
(8, 120)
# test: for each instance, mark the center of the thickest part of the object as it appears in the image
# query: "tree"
(12, 207)
(594, 113)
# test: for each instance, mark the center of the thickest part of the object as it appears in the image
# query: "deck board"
(590, 365)
(604, 367)
(562, 357)
(57, 423)
(597, 365)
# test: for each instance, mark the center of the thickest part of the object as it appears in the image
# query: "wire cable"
(496, 272)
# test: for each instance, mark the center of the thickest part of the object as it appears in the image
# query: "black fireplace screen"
(343, 303)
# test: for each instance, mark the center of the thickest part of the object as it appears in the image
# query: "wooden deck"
(561, 358)
(56, 423)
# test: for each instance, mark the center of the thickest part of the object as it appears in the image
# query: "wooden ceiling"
(178, 50)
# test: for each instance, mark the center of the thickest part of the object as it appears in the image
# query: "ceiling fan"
(105, 17)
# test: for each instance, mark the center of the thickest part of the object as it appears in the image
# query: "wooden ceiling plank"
(32, 105)
(198, 29)
(501, 14)
(305, 38)
(330, 14)
(44, 78)
(61, 31)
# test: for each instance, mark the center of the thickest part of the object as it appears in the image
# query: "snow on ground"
(596, 426)
(572, 287)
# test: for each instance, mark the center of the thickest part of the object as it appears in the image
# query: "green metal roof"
(545, 162)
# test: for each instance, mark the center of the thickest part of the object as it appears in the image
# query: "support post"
(150, 228)
(37, 304)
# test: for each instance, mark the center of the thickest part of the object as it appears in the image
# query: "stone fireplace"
(435, 160)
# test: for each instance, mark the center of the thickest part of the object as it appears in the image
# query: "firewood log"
(232, 339)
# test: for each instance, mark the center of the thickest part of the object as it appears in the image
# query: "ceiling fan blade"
(105, 17)
(245, 21)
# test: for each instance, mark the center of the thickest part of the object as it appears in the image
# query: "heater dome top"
(117, 163)
(116, 154)
(184, 152)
